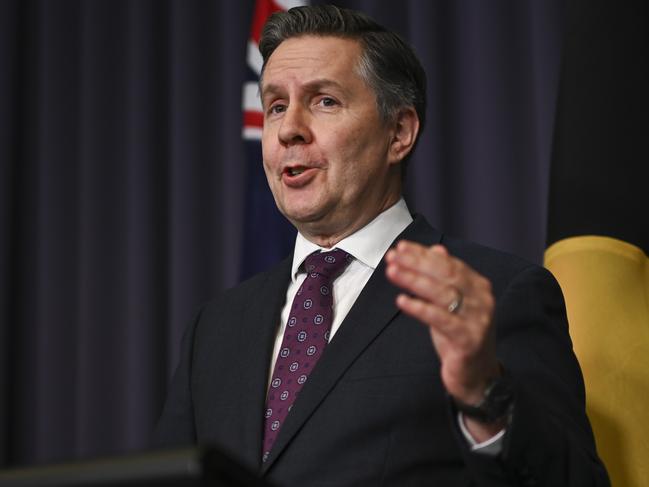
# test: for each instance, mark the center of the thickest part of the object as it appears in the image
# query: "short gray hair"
(387, 64)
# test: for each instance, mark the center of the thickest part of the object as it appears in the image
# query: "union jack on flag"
(263, 223)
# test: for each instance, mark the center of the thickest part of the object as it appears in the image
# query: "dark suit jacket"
(374, 411)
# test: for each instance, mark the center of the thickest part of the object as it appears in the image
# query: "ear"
(406, 128)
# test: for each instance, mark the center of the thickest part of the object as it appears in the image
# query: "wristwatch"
(496, 403)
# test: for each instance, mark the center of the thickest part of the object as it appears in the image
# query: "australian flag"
(268, 236)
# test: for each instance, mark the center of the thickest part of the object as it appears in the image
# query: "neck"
(329, 239)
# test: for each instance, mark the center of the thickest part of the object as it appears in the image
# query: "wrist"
(493, 406)
(482, 432)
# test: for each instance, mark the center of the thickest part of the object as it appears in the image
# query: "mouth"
(295, 171)
(298, 176)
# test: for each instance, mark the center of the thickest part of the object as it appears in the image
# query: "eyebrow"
(313, 85)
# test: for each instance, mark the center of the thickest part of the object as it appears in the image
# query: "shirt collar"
(368, 245)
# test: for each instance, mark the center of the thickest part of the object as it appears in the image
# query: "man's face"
(326, 151)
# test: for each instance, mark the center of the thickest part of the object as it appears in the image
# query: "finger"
(405, 247)
(422, 285)
(434, 261)
(435, 317)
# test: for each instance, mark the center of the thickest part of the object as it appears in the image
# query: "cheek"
(361, 156)
(265, 153)
(269, 160)
(347, 144)
(268, 143)
(343, 155)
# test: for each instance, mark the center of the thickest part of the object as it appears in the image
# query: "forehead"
(313, 57)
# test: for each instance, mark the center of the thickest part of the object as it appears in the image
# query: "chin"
(300, 209)
(303, 215)
(298, 218)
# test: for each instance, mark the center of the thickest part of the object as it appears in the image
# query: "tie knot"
(328, 264)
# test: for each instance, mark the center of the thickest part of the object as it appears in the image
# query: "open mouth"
(298, 176)
(295, 171)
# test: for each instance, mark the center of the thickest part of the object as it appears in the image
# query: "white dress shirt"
(368, 246)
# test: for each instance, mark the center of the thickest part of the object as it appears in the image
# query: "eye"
(327, 102)
(276, 108)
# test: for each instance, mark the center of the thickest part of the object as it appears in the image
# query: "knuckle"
(489, 301)
(451, 269)
(485, 284)
(484, 319)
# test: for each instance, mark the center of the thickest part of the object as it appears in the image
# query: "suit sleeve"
(549, 441)
(175, 427)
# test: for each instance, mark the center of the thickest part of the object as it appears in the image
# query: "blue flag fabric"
(267, 237)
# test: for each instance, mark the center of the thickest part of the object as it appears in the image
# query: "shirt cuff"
(492, 447)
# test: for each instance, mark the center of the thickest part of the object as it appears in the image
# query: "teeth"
(296, 171)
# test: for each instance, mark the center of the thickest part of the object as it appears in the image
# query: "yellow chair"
(606, 286)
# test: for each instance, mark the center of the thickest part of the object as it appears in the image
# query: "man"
(446, 364)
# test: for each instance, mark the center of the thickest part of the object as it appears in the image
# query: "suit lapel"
(371, 313)
(258, 331)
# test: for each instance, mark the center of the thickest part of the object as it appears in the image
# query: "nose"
(294, 127)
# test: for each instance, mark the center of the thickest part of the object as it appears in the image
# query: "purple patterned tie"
(305, 337)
